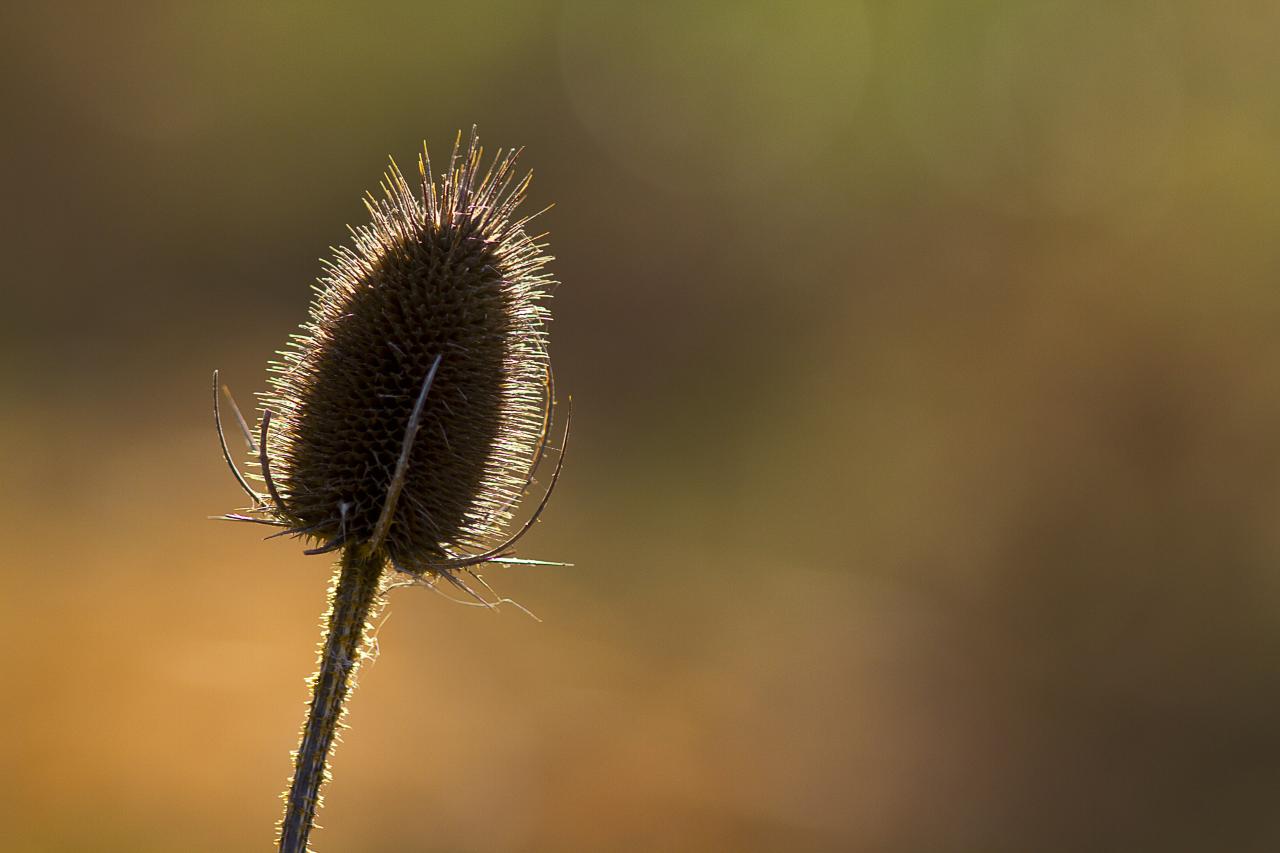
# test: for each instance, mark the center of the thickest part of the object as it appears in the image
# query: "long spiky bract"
(403, 423)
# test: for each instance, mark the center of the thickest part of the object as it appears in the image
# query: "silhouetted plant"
(409, 417)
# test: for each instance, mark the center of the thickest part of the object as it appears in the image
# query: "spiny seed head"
(444, 270)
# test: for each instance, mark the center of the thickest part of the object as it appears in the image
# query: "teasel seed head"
(436, 310)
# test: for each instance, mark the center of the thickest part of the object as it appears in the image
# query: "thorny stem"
(351, 605)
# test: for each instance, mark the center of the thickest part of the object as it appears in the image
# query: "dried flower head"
(406, 416)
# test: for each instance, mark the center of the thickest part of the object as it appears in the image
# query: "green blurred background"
(926, 463)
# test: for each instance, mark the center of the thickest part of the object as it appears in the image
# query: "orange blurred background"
(926, 466)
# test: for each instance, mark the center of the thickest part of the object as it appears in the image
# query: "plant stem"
(352, 601)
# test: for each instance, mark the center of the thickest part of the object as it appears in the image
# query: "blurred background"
(926, 462)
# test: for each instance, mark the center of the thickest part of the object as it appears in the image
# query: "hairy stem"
(351, 604)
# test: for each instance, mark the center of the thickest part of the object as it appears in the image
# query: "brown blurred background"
(926, 465)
